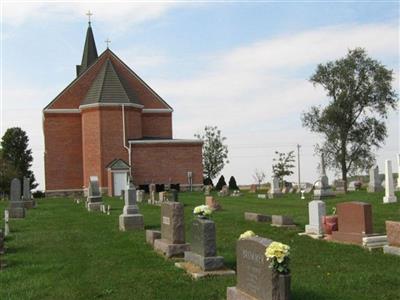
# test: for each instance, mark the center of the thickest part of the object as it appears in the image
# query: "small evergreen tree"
(221, 182)
(232, 184)
(15, 150)
(283, 165)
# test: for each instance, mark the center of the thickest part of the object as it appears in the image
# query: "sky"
(242, 66)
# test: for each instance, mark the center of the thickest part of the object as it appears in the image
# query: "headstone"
(339, 186)
(6, 225)
(374, 181)
(249, 216)
(398, 172)
(152, 199)
(94, 200)
(204, 247)
(322, 189)
(253, 188)
(389, 187)
(224, 191)
(162, 196)
(1, 242)
(207, 190)
(262, 196)
(308, 187)
(16, 209)
(130, 219)
(152, 187)
(393, 236)
(285, 190)
(255, 280)
(354, 185)
(212, 203)
(152, 235)
(316, 210)
(282, 221)
(172, 242)
(139, 195)
(26, 196)
(174, 195)
(354, 222)
(275, 191)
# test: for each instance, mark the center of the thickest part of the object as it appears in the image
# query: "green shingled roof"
(89, 52)
(107, 87)
(117, 164)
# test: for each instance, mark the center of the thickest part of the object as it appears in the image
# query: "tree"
(15, 151)
(207, 181)
(283, 165)
(7, 173)
(352, 124)
(259, 177)
(232, 184)
(221, 182)
(215, 153)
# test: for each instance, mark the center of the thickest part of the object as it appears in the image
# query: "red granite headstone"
(354, 222)
(393, 233)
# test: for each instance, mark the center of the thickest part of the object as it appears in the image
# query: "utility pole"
(298, 165)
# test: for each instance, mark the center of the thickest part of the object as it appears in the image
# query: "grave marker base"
(28, 204)
(205, 263)
(94, 206)
(152, 235)
(131, 222)
(391, 250)
(16, 212)
(170, 250)
(196, 272)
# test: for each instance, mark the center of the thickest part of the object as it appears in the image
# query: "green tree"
(15, 151)
(221, 182)
(283, 165)
(215, 152)
(7, 173)
(353, 123)
(232, 184)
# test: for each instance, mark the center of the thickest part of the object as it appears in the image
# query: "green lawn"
(61, 251)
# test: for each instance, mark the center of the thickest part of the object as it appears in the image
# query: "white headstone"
(6, 226)
(374, 180)
(316, 210)
(389, 187)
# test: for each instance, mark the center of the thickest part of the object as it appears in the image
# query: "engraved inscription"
(166, 220)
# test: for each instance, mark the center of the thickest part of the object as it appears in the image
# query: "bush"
(208, 181)
(232, 184)
(175, 186)
(38, 194)
(221, 182)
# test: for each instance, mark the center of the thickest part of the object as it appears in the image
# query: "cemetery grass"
(61, 251)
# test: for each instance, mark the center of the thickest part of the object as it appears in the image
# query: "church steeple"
(89, 52)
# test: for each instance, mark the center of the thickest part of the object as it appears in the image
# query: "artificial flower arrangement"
(246, 235)
(202, 211)
(278, 255)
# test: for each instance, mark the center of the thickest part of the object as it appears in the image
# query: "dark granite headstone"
(15, 191)
(203, 237)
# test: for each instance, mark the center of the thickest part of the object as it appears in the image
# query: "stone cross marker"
(204, 247)
(255, 280)
(389, 187)
(354, 222)
(130, 219)
(374, 180)
(316, 210)
(172, 242)
(16, 208)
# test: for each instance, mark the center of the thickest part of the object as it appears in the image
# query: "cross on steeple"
(89, 14)
(107, 41)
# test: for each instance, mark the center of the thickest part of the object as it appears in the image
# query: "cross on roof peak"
(89, 14)
(107, 41)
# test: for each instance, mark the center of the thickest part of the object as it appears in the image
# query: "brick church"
(109, 123)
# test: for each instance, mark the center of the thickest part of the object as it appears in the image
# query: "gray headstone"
(374, 184)
(389, 186)
(130, 201)
(27, 189)
(172, 222)
(15, 191)
(174, 195)
(94, 189)
(204, 237)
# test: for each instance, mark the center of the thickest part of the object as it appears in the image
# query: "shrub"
(232, 184)
(221, 182)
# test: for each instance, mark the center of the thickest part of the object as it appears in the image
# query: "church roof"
(117, 164)
(107, 87)
(89, 52)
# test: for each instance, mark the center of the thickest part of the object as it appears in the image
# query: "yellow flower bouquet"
(202, 211)
(278, 255)
(246, 235)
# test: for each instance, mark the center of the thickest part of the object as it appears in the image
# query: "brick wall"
(157, 125)
(164, 163)
(63, 151)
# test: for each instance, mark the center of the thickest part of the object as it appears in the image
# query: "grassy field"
(61, 251)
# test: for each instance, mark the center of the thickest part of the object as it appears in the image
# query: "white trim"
(110, 104)
(119, 171)
(62, 111)
(65, 190)
(157, 110)
(139, 142)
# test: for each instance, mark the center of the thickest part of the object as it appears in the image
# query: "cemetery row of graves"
(203, 245)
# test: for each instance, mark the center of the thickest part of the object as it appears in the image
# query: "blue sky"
(241, 66)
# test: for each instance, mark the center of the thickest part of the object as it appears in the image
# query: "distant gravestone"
(282, 221)
(204, 247)
(174, 195)
(139, 195)
(162, 196)
(1, 242)
(130, 219)
(255, 280)
(27, 197)
(249, 216)
(94, 200)
(207, 190)
(374, 181)
(224, 191)
(16, 208)
(212, 203)
(389, 187)
(253, 188)
(6, 225)
(339, 186)
(393, 236)
(172, 242)
(316, 210)
(354, 222)
(275, 191)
